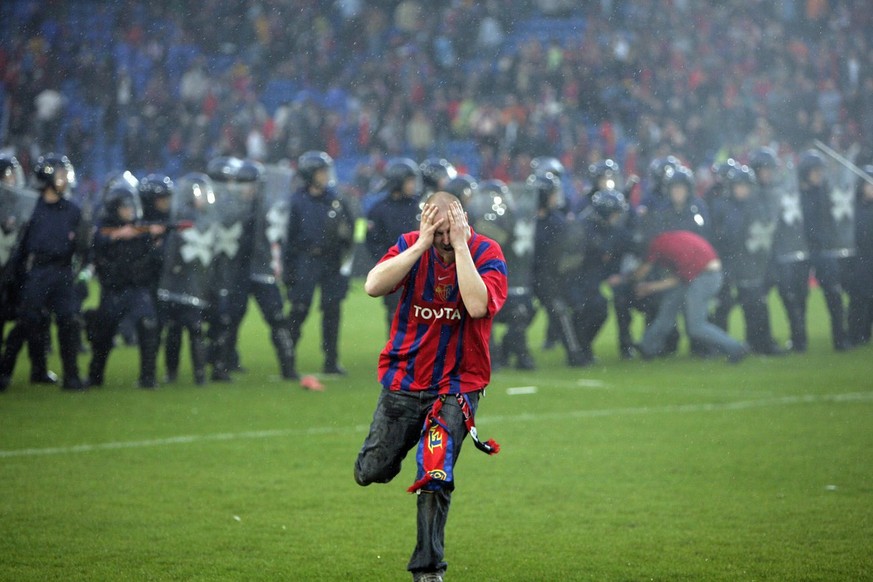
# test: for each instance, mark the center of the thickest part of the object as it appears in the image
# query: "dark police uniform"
(126, 269)
(789, 264)
(51, 240)
(394, 214)
(828, 212)
(316, 255)
(744, 230)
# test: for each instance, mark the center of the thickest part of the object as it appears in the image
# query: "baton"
(844, 161)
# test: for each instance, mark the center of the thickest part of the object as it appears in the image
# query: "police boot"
(330, 323)
(281, 337)
(296, 318)
(101, 345)
(233, 361)
(14, 342)
(37, 348)
(219, 355)
(198, 357)
(172, 349)
(147, 332)
(797, 323)
(69, 337)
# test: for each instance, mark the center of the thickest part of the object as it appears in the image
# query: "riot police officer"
(828, 214)
(263, 232)
(789, 266)
(52, 239)
(592, 251)
(318, 252)
(397, 212)
(126, 259)
(16, 206)
(550, 166)
(549, 244)
(743, 228)
(860, 283)
(183, 286)
(494, 213)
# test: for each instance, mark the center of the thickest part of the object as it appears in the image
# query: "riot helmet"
(11, 173)
(402, 175)
(658, 169)
(678, 184)
(155, 194)
(491, 210)
(764, 162)
(810, 168)
(547, 190)
(435, 173)
(310, 164)
(604, 174)
(224, 168)
(464, 187)
(121, 204)
(56, 172)
(741, 182)
(609, 204)
(547, 165)
(193, 196)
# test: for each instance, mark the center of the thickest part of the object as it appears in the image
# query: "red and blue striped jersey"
(434, 344)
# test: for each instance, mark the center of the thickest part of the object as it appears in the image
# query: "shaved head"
(442, 200)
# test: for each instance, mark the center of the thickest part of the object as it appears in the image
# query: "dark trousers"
(115, 305)
(829, 274)
(396, 429)
(48, 290)
(324, 274)
(792, 282)
(176, 317)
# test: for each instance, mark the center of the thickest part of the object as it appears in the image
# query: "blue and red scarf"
(435, 454)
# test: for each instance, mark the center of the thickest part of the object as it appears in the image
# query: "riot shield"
(189, 250)
(519, 253)
(234, 204)
(272, 209)
(16, 207)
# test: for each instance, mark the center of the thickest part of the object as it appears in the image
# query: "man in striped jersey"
(436, 362)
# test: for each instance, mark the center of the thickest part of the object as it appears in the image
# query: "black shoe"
(579, 360)
(221, 376)
(74, 385)
(290, 375)
(334, 369)
(525, 362)
(4, 383)
(148, 383)
(627, 353)
(199, 377)
(843, 345)
(643, 355)
(170, 377)
(94, 381)
(769, 350)
(739, 356)
(44, 378)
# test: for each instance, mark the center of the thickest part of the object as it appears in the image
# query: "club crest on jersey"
(443, 291)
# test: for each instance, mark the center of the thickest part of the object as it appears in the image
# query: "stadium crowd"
(548, 97)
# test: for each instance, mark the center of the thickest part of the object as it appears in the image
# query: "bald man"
(436, 362)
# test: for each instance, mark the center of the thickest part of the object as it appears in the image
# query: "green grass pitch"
(673, 470)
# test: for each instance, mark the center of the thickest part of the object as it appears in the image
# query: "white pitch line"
(486, 419)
